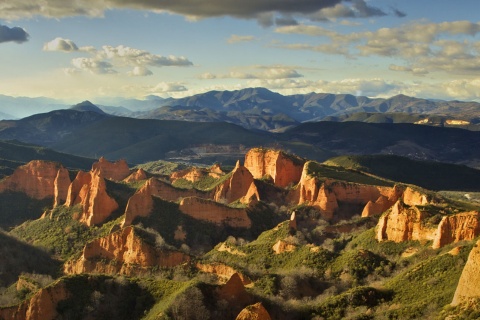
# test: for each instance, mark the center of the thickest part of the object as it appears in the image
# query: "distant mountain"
(87, 106)
(20, 107)
(47, 128)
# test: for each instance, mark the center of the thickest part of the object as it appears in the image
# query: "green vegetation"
(103, 297)
(59, 233)
(205, 183)
(322, 172)
(161, 167)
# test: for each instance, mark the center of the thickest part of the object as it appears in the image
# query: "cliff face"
(36, 179)
(60, 187)
(89, 190)
(42, 306)
(239, 186)
(211, 211)
(254, 312)
(122, 252)
(403, 223)
(116, 171)
(462, 226)
(141, 203)
(326, 195)
(468, 284)
(195, 174)
(285, 170)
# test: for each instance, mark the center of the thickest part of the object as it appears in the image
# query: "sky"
(99, 49)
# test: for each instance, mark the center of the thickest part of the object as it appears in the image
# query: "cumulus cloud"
(167, 87)
(234, 38)
(140, 72)
(355, 9)
(274, 72)
(108, 59)
(15, 34)
(425, 47)
(60, 44)
(93, 66)
(266, 12)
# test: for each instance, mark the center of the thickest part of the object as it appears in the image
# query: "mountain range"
(259, 108)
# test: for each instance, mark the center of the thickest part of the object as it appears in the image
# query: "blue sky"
(86, 49)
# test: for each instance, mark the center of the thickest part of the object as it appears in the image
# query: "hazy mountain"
(87, 106)
(19, 107)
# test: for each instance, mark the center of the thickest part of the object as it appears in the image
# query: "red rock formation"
(403, 223)
(254, 312)
(89, 190)
(60, 187)
(468, 287)
(292, 224)
(215, 171)
(238, 186)
(141, 203)
(138, 175)
(191, 174)
(326, 195)
(42, 306)
(222, 271)
(114, 171)
(234, 291)
(36, 179)
(414, 198)
(125, 252)
(462, 226)
(284, 169)
(214, 212)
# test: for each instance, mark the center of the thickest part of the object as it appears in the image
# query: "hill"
(427, 174)
(16, 153)
(87, 106)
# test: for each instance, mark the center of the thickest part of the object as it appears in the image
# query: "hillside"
(427, 174)
(278, 236)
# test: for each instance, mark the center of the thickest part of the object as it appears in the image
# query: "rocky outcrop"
(454, 228)
(254, 312)
(36, 179)
(234, 291)
(381, 205)
(141, 203)
(284, 169)
(123, 252)
(89, 190)
(239, 185)
(223, 271)
(282, 246)
(138, 175)
(195, 174)
(327, 194)
(468, 287)
(42, 306)
(116, 171)
(60, 187)
(403, 223)
(207, 210)
(413, 197)
(292, 223)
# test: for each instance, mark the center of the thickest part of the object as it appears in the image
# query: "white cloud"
(132, 56)
(168, 87)
(256, 72)
(93, 66)
(425, 47)
(234, 38)
(140, 72)
(60, 44)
